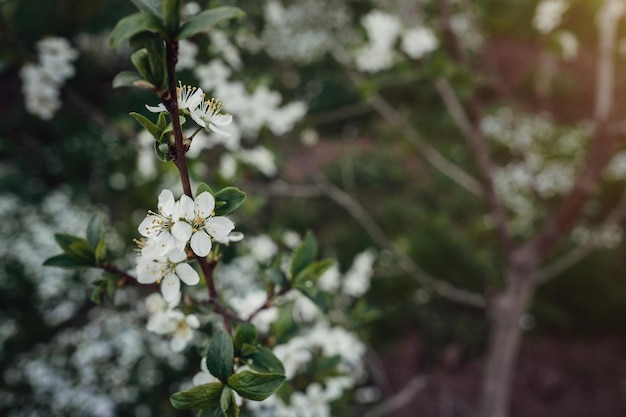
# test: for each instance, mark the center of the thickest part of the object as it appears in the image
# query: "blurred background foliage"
(89, 151)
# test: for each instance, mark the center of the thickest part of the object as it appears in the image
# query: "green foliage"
(220, 356)
(228, 199)
(204, 21)
(133, 25)
(255, 386)
(203, 397)
(150, 6)
(304, 255)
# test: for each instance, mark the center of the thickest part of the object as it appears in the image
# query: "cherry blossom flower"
(168, 270)
(207, 114)
(165, 320)
(188, 98)
(197, 223)
(157, 227)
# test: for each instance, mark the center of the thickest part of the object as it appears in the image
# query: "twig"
(400, 399)
(406, 263)
(410, 134)
(579, 253)
(478, 142)
(601, 148)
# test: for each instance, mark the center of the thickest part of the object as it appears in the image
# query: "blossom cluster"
(178, 225)
(383, 30)
(42, 82)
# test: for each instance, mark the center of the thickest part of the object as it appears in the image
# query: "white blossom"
(157, 228)
(418, 41)
(357, 279)
(165, 320)
(188, 98)
(548, 15)
(187, 52)
(168, 270)
(207, 114)
(196, 222)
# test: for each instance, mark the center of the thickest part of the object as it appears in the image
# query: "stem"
(170, 101)
(115, 270)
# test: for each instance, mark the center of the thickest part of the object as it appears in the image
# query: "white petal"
(187, 274)
(222, 119)
(166, 202)
(194, 100)
(156, 109)
(182, 230)
(187, 208)
(235, 237)
(219, 226)
(155, 303)
(147, 226)
(192, 321)
(176, 255)
(196, 115)
(218, 131)
(177, 343)
(205, 204)
(170, 287)
(201, 243)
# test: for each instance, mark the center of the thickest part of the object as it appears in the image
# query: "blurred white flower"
(41, 82)
(548, 15)
(261, 158)
(164, 320)
(418, 41)
(187, 52)
(357, 279)
(204, 376)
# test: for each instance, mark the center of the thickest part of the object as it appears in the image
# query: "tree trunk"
(505, 337)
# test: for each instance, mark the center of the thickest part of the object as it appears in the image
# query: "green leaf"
(264, 360)
(63, 261)
(82, 251)
(130, 79)
(141, 61)
(95, 295)
(255, 386)
(162, 151)
(101, 250)
(134, 24)
(171, 17)
(161, 122)
(147, 124)
(228, 404)
(203, 187)
(314, 294)
(313, 271)
(304, 254)
(150, 6)
(232, 196)
(206, 396)
(220, 355)
(65, 240)
(155, 47)
(211, 412)
(248, 350)
(94, 229)
(204, 21)
(244, 334)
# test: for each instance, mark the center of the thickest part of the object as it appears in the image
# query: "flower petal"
(187, 274)
(176, 256)
(201, 243)
(219, 226)
(196, 115)
(205, 204)
(182, 230)
(222, 119)
(170, 287)
(218, 131)
(166, 202)
(147, 226)
(156, 109)
(192, 321)
(187, 208)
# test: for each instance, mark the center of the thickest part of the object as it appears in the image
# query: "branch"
(478, 142)
(601, 148)
(579, 253)
(406, 263)
(410, 134)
